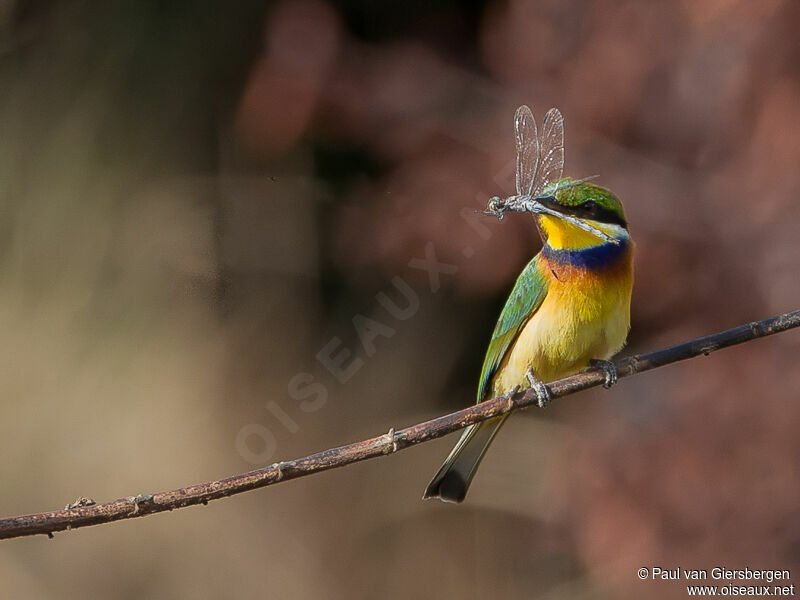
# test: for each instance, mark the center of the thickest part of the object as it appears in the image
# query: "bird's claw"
(543, 396)
(609, 369)
(510, 396)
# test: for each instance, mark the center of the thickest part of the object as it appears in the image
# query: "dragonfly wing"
(527, 149)
(551, 163)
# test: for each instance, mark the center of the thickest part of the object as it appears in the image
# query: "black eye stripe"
(592, 210)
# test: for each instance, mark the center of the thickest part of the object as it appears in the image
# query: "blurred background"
(204, 204)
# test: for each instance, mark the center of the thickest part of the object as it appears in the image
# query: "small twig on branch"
(82, 515)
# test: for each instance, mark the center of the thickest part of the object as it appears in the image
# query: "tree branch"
(388, 443)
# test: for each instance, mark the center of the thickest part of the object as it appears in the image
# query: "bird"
(568, 310)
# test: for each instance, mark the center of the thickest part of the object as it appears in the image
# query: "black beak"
(550, 202)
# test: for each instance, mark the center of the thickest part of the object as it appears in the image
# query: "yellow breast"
(585, 315)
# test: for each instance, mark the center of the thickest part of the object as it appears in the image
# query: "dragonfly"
(540, 165)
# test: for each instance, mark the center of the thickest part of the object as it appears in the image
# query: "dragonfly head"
(496, 207)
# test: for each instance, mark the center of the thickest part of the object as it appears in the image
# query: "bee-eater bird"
(570, 308)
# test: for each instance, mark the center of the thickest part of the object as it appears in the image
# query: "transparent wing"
(551, 163)
(527, 149)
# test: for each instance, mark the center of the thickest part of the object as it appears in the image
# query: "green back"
(522, 304)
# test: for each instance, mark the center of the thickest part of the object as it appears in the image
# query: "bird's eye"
(590, 205)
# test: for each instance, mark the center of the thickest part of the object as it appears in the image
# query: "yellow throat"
(562, 235)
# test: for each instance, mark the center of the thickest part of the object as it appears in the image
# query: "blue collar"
(593, 257)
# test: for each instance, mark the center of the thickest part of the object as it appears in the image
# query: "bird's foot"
(510, 396)
(542, 393)
(609, 368)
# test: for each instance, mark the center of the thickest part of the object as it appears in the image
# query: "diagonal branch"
(388, 443)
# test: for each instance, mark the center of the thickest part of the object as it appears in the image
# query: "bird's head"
(592, 204)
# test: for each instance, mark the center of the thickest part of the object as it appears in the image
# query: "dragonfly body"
(569, 306)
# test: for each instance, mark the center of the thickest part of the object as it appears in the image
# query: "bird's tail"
(451, 482)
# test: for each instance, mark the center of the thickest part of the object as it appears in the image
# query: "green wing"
(522, 304)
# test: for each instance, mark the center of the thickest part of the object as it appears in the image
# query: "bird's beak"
(547, 205)
(550, 203)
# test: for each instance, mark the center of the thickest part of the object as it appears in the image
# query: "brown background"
(197, 197)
